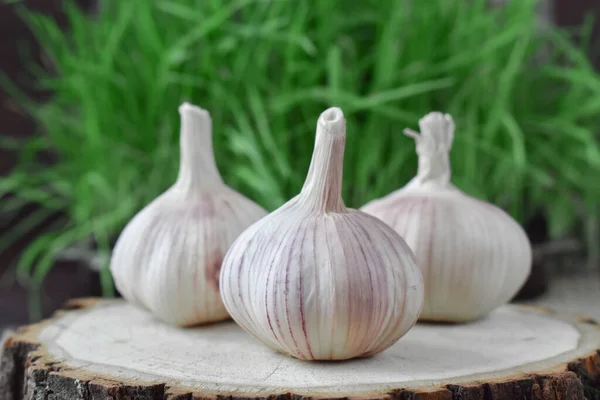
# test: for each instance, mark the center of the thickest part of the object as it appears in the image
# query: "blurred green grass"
(526, 135)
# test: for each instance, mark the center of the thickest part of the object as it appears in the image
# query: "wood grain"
(144, 359)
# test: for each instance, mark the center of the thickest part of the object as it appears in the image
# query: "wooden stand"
(99, 349)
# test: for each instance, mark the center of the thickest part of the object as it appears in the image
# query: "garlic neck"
(433, 148)
(322, 190)
(197, 168)
(434, 171)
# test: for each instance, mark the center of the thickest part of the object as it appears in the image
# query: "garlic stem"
(197, 166)
(433, 148)
(322, 190)
(319, 281)
(473, 255)
(168, 257)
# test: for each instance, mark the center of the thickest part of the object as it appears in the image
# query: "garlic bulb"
(168, 258)
(317, 280)
(473, 255)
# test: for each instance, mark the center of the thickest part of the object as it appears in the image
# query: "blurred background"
(89, 126)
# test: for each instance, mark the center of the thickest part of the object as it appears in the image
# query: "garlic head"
(474, 256)
(319, 281)
(167, 259)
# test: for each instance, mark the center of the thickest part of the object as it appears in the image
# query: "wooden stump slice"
(98, 349)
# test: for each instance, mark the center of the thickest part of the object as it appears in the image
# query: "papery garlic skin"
(474, 256)
(319, 281)
(167, 260)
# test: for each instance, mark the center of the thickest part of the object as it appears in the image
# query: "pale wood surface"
(111, 346)
(119, 337)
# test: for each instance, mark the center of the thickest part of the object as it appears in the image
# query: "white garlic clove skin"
(474, 256)
(167, 259)
(319, 281)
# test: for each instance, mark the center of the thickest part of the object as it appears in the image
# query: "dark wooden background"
(66, 280)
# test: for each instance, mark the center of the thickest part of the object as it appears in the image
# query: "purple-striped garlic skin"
(319, 281)
(473, 255)
(167, 259)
